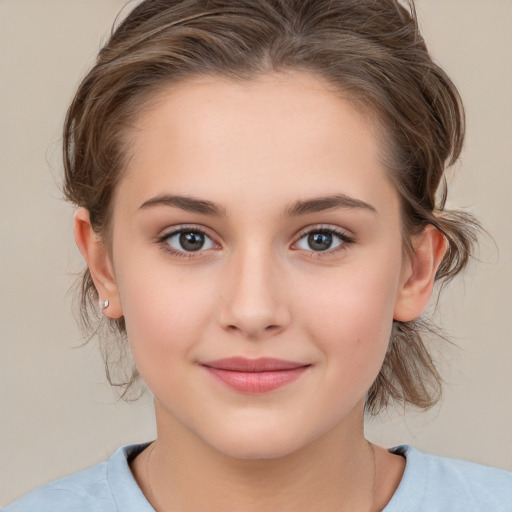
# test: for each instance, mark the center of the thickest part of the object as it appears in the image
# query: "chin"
(254, 443)
(262, 450)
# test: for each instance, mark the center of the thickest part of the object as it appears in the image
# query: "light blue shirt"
(429, 484)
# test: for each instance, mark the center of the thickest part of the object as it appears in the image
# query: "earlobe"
(419, 274)
(99, 262)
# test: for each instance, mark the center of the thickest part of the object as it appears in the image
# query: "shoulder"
(104, 487)
(438, 483)
(80, 491)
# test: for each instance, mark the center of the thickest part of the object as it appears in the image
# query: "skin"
(258, 288)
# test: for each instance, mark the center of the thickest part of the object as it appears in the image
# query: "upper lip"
(243, 364)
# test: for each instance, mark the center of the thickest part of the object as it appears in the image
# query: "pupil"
(320, 241)
(191, 241)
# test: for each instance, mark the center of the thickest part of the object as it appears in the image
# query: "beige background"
(57, 413)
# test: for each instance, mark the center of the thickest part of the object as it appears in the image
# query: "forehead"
(282, 136)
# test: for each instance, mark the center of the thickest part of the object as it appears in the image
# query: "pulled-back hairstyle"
(369, 50)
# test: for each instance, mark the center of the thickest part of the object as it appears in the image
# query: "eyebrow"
(300, 207)
(319, 204)
(187, 203)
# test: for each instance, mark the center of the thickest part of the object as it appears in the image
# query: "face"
(257, 255)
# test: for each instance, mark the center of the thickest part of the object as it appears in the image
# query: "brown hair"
(371, 50)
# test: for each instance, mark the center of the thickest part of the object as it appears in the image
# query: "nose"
(254, 299)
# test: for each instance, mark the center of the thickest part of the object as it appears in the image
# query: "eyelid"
(324, 227)
(173, 230)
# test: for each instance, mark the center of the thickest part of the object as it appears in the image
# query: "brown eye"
(320, 241)
(188, 240)
(323, 240)
(191, 241)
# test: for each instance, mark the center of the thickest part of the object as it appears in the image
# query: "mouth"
(255, 376)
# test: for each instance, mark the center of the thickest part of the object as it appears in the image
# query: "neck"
(337, 472)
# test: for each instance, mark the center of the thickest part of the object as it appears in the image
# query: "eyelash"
(345, 239)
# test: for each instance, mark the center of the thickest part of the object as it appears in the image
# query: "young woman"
(261, 206)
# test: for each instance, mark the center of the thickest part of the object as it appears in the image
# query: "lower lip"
(256, 382)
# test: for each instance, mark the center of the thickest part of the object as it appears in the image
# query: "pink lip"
(255, 375)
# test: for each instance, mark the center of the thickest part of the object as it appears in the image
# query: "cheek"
(351, 315)
(165, 312)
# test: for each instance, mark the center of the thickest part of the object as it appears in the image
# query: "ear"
(99, 262)
(418, 274)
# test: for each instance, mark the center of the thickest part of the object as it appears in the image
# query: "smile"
(255, 376)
